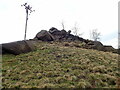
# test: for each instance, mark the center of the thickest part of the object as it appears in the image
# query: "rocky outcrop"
(57, 35)
(61, 35)
(52, 35)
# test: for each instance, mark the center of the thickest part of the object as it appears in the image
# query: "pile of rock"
(56, 35)
(61, 35)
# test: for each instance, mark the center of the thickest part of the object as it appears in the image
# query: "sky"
(88, 14)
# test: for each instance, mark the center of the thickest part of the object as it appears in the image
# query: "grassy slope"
(55, 65)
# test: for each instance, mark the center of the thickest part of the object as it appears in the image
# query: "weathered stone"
(95, 45)
(69, 32)
(18, 47)
(61, 35)
(44, 36)
(63, 32)
(52, 30)
(109, 48)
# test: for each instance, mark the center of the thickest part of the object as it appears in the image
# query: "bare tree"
(76, 29)
(95, 35)
(28, 8)
(63, 25)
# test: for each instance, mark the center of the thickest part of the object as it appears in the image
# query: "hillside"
(60, 65)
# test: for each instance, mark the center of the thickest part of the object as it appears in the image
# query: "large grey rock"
(109, 48)
(52, 30)
(57, 34)
(44, 36)
(95, 45)
(18, 47)
(63, 32)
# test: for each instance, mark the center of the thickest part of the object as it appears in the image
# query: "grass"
(61, 65)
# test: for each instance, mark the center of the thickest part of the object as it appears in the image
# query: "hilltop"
(61, 65)
(54, 35)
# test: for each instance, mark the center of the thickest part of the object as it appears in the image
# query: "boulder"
(70, 37)
(52, 30)
(109, 48)
(63, 32)
(18, 47)
(57, 34)
(69, 32)
(95, 45)
(44, 36)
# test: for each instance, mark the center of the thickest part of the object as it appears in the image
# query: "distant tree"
(95, 35)
(63, 25)
(76, 29)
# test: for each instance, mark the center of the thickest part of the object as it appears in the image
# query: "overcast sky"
(88, 14)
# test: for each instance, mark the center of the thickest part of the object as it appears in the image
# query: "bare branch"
(76, 29)
(95, 35)
(63, 25)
